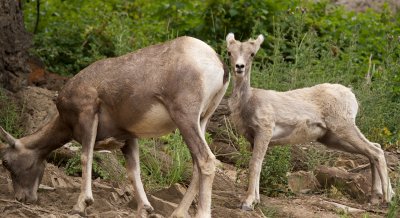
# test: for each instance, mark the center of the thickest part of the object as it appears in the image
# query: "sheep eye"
(5, 164)
(252, 54)
(229, 53)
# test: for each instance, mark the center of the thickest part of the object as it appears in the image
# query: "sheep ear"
(2, 147)
(230, 38)
(260, 39)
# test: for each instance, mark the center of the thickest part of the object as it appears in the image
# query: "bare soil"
(59, 192)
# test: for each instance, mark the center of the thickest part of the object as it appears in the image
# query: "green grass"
(165, 161)
(10, 115)
(317, 157)
(306, 43)
(394, 205)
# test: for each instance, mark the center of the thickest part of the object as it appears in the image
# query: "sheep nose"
(240, 66)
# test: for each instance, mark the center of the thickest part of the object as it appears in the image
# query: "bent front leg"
(131, 154)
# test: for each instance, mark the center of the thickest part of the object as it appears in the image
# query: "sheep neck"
(241, 88)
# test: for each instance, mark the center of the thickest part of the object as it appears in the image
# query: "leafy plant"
(158, 172)
(273, 173)
(10, 115)
(307, 42)
(394, 205)
(269, 211)
(317, 157)
(73, 167)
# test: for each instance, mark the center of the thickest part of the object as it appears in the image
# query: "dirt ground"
(59, 192)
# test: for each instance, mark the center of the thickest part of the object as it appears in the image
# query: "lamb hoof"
(180, 215)
(247, 207)
(145, 212)
(149, 209)
(376, 199)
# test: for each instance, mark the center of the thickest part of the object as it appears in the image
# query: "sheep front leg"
(88, 125)
(261, 141)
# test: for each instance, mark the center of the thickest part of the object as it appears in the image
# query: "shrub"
(154, 171)
(10, 115)
(273, 173)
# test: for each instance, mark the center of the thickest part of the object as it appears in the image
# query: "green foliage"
(275, 166)
(269, 211)
(300, 55)
(307, 42)
(273, 173)
(10, 115)
(394, 205)
(317, 157)
(73, 166)
(155, 169)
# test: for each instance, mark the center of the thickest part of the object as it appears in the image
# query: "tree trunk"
(14, 44)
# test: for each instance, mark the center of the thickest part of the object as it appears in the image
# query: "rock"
(354, 184)
(110, 166)
(222, 182)
(344, 163)
(162, 206)
(346, 208)
(224, 152)
(392, 160)
(38, 107)
(172, 194)
(302, 182)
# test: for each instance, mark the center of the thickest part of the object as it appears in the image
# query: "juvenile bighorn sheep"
(325, 113)
(148, 93)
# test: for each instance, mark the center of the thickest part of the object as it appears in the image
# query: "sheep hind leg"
(131, 154)
(353, 141)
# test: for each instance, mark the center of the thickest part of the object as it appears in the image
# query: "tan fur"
(112, 102)
(325, 113)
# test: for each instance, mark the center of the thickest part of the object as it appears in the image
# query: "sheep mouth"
(239, 72)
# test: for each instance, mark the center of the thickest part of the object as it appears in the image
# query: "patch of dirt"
(59, 192)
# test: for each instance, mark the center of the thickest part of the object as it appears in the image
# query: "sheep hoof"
(247, 207)
(376, 199)
(148, 208)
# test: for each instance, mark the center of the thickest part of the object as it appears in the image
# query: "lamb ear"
(260, 39)
(230, 38)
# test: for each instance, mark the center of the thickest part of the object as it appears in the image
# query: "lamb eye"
(252, 54)
(229, 53)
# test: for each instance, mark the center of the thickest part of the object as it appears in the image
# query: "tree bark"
(14, 44)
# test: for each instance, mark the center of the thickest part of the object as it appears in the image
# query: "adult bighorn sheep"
(148, 93)
(325, 113)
